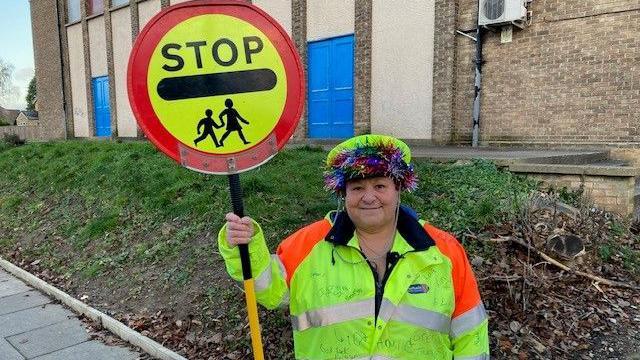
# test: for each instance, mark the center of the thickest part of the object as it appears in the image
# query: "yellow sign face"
(220, 93)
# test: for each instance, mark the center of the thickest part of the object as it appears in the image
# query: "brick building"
(569, 78)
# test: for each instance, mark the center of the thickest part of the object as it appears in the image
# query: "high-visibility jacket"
(427, 307)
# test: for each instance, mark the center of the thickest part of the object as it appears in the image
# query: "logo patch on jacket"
(418, 289)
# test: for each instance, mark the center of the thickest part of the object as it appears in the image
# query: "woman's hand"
(239, 230)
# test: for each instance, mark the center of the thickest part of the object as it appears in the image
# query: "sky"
(16, 48)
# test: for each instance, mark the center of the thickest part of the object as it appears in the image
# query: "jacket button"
(379, 327)
(369, 323)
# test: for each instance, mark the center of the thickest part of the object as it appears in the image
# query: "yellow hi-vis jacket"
(427, 307)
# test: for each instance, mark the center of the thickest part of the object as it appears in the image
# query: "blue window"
(73, 10)
(115, 3)
(331, 88)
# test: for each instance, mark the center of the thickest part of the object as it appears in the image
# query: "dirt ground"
(537, 311)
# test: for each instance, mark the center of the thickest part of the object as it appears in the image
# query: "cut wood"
(577, 272)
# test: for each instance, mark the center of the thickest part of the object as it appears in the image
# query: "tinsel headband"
(367, 156)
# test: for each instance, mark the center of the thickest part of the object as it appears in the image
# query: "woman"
(373, 281)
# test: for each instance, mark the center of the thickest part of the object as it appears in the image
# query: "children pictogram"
(209, 124)
(232, 122)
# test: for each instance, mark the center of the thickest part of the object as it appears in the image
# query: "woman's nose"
(368, 196)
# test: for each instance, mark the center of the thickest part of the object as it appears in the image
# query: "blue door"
(331, 88)
(101, 109)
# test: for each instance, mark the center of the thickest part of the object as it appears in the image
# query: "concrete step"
(610, 162)
(636, 201)
(583, 158)
(571, 169)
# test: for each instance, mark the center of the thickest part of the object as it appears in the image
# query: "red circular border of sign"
(167, 19)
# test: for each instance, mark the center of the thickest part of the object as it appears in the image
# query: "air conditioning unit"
(501, 12)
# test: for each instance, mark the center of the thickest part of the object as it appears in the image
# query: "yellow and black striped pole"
(249, 290)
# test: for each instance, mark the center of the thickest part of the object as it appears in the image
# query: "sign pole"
(249, 290)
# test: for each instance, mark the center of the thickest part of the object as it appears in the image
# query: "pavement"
(33, 327)
(500, 155)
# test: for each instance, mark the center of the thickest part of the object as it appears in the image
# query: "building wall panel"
(568, 79)
(279, 10)
(97, 47)
(330, 18)
(121, 25)
(147, 10)
(78, 81)
(402, 68)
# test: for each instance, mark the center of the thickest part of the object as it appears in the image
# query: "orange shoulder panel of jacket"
(464, 282)
(297, 246)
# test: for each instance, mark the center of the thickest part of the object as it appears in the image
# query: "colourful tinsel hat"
(368, 156)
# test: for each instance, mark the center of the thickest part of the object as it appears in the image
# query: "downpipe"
(477, 88)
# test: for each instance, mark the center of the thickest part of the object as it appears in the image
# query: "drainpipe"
(64, 98)
(478, 86)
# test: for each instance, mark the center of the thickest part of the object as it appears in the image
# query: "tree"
(31, 95)
(8, 91)
(6, 73)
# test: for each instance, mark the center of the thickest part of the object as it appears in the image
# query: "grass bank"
(127, 227)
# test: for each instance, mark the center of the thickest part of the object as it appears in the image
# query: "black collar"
(408, 226)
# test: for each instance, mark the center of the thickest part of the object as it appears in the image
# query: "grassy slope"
(124, 224)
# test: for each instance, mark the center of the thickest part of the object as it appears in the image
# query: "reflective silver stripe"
(374, 357)
(283, 270)
(387, 308)
(477, 357)
(467, 321)
(420, 317)
(333, 314)
(263, 281)
(424, 318)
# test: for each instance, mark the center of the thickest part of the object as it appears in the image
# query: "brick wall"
(614, 194)
(23, 132)
(48, 71)
(571, 78)
(299, 36)
(362, 69)
(443, 69)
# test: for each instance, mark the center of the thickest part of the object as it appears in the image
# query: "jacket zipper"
(379, 285)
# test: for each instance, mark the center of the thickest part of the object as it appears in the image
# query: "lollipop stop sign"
(216, 85)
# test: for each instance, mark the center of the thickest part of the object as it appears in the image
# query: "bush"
(10, 141)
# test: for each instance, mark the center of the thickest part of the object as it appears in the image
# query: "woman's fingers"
(231, 217)
(239, 230)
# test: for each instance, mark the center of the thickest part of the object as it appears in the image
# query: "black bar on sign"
(234, 82)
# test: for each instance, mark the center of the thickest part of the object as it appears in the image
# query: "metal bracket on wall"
(467, 35)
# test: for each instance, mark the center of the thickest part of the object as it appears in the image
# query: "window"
(115, 3)
(73, 10)
(95, 7)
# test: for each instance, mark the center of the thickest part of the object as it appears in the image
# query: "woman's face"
(371, 203)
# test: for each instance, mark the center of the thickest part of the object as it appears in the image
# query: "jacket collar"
(408, 226)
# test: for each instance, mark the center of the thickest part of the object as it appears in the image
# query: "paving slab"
(8, 352)
(22, 301)
(31, 326)
(12, 287)
(90, 350)
(4, 276)
(30, 319)
(50, 338)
